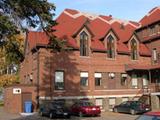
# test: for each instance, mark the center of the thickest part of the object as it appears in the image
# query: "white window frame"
(134, 81)
(98, 75)
(59, 79)
(84, 75)
(99, 102)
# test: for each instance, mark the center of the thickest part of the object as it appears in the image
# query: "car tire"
(115, 110)
(50, 115)
(133, 112)
(68, 116)
(41, 113)
(80, 114)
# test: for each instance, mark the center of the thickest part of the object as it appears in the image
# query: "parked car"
(83, 108)
(132, 107)
(54, 109)
(150, 116)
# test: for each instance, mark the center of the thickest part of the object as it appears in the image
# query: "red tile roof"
(35, 38)
(70, 22)
(151, 17)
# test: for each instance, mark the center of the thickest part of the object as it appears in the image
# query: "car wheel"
(51, 115)
(133, 112)
(41, 113)
(115, 110)
(80, 114)
(68, 117)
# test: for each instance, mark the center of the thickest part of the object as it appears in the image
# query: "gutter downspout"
(150, 102)
(37, 97)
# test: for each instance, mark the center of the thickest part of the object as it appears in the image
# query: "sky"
(123, 9)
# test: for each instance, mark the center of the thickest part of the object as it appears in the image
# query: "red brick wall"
(28, 66)
(72, 64)
(155, 44)
(13, 102)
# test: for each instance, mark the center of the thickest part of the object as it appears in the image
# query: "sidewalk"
(7, 116)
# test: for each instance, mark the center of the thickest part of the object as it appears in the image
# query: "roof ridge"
(153, 10)
(93, 16)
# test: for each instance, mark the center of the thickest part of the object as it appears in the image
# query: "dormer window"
(84, 44)
(154, 56)
(110, 47)
(134, 50)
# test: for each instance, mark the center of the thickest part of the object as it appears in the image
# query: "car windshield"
(87, 104)
(148, 117)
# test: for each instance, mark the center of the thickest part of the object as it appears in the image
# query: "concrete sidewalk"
(7, 116)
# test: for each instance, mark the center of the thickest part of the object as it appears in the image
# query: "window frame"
(86, 78)
(154, 55)
(99, 78)
(134, 50)
(134, 77)
(123, 79)
(84, 44)
(56, 87)
(111, 53)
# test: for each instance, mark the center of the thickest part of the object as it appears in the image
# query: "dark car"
(83, 108)
(150, 116)
(54, 109)
(132, 107)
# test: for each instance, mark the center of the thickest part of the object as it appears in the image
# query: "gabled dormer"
(110, 42)
(133, 46)
(83, 39)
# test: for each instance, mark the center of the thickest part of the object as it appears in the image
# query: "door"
(25, 97)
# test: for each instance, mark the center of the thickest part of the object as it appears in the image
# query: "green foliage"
(1, 103)
(33, 13)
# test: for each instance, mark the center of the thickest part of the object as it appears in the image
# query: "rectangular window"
(152, 30)
(99, 102)
(84, 78)
(154, 55)
(59, 80)
(134, 81)
(145, 80)
(124, 99)
(98, 79)
(158, 28)
(123, 79)
(112, 102)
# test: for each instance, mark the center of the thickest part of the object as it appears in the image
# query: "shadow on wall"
(60, 61)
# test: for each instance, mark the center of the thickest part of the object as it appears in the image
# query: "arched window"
(110, 47)
(134, 50)
(84, 44)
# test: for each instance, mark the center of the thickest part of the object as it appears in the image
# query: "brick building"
(107, 61)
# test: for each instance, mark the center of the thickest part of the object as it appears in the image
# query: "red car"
(150, 116)
(82, 108)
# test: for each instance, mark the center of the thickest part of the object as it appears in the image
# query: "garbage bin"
(28, 106)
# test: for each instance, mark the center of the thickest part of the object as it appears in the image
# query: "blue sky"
(123, 9)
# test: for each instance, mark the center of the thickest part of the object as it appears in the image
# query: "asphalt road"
(104, 116)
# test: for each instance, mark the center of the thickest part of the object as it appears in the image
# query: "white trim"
(92, 16)
(97, 75)
(83, 74)
(59, 91)
(120, 90)
(156, 93)
(89, 97)
(85, 90)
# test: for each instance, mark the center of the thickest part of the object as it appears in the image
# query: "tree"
(18, 15)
